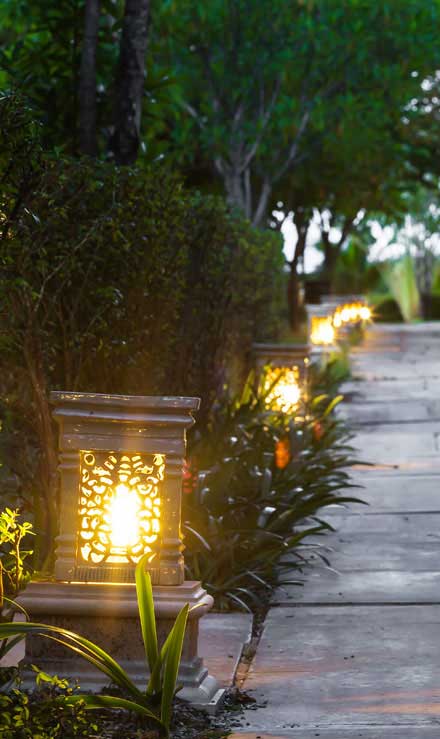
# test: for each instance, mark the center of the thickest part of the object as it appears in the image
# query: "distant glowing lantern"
(282, 388)
(351, 313)
(365, 313)
(322, 331)
(281, 356)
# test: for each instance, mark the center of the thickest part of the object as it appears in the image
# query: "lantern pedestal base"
(107, 614)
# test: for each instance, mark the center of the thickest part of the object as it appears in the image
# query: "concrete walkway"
(357, 653)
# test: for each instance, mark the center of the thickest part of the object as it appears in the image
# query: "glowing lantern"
(282, 389)
(322, 331)
(121, 475)
(121, 469)
(351, 313)
(281, 356)
(365, 313)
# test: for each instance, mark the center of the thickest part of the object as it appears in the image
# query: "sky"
(388, 243)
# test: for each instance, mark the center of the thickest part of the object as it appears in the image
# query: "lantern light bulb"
(322, 331)
(124, 522)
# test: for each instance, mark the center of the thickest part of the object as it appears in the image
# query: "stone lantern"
(283, 370)
(321, 333)
(121, 460)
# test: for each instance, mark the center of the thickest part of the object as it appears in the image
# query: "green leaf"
(79, 644)
(172, 662)
(147, 617)
(98, 702)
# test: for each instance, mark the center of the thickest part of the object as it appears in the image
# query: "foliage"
(40, 54)
(353, 273)
(14, 569)
(165, 301)
(386, 309)
(154, 704)
(42, 715)
(326, 376)
(247, 525)
(12, 555)
(279, 87)
(400, 279)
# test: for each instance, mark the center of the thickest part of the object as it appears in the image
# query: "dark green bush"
(432, 303)
(117, 280)
(43, 714)
(247, 523)
(387, 311)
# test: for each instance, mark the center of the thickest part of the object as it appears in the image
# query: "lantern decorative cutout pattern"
(119, 507)
(282, 388)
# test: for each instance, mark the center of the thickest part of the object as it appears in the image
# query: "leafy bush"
(387, 310)
(155, 703)
(15, 569)
(117, 280)
(247, 524)
(45, 713)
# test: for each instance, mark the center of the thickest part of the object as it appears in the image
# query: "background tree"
(130, 82)
(88, 142)
(274, 83)
(82, 65)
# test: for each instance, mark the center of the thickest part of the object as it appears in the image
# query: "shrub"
(44, 714)
(154, 704)
(387, 310)
(118, 280)
(247, 524)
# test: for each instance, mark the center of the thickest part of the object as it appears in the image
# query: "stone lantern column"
(121, 460)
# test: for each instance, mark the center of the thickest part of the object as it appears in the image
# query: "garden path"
(357, 653)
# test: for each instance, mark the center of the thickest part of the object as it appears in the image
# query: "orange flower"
(282, 453)
(318, 431)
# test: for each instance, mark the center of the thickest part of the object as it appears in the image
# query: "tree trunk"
(331, 253)
(301, 218)
(293, 297)
(87, 81)
(130, 82)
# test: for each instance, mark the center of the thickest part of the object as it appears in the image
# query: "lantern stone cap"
(129, 402)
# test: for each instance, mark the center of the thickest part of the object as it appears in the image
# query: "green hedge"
(118, 280)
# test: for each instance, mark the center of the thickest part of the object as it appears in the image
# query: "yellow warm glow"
(282, 388)
(124, 518)
(323, 332)
(119, 506)
(351, 313)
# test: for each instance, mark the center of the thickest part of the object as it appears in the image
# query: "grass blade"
(147, 617)
(172, 662)
(98, 702)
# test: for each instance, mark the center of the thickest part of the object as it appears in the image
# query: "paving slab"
(360, 587)
(393, 493)
(355, 652)
(399, 444)
(338, 667)
(390, 411)
(382, 542)
(222, 638)
(416, 388)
